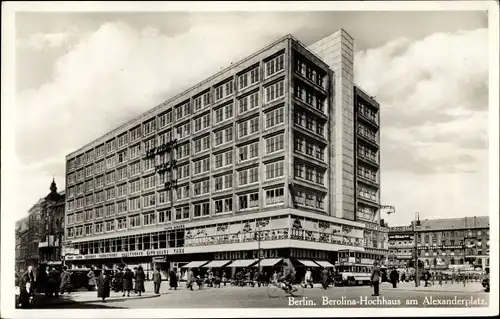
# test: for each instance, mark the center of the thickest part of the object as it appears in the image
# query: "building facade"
(355, 175)
(22, 241)
(34, 218)
(442, 243)
(52, 227)
(237, 167)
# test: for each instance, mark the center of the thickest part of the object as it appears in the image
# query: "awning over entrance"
(324, 264)
(241, 263)
(217, 263)
(308, 263)
(195, 264)
(269, 262)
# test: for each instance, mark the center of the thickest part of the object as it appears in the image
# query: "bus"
(354, 268)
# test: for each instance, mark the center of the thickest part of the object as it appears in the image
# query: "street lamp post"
(258, 244)
(416, 223)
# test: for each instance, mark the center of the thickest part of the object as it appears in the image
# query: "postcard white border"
(8, 149)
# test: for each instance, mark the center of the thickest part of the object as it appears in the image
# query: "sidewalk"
(449, 287)
(91, 297)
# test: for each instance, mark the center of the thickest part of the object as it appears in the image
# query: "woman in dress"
(139, 280)
(91, 281)
(128, 278)
(172, 280)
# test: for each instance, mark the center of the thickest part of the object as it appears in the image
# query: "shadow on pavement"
(79, 305)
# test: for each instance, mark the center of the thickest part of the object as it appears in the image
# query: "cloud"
(433, 103)
(111, 75)
(40, 41)
(434, 100)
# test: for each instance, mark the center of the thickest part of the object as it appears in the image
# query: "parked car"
(79, 279)
(486, 284)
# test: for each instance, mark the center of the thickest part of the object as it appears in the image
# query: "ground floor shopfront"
(287, 233)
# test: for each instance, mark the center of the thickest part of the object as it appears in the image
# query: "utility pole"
(416, 223)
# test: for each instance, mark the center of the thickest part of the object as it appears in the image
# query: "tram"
(354, 268)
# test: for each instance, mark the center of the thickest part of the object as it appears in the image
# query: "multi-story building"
(256, 161)
(356, 127)
(52, 226)
(34, 217)
(443, 242)
(22, 241)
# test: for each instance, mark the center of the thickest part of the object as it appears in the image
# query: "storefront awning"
(217, 263)
(269, 262)
(308, 263)
(195, 264)
(324, 264)
(242, 263)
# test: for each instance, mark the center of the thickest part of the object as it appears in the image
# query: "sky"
(79, 75)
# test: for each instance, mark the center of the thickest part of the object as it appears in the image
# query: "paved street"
(235, 297)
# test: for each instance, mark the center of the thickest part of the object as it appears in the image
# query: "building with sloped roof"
(442, 242)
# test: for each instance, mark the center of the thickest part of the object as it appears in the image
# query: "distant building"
(39, 235)
(52, 227)
(22, 241)
(34, 217)
(443, 242)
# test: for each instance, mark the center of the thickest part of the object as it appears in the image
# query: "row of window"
(221, 91)
(309, 172)
(245, 177)
(368, 193)
(366, 213)
(201, 209)
(225, 135)
(367, 173)
(273, 144)
(367, 152)
(309, 96)
(310, 198)
(310, 71)
(367, 132)
(366, 110)
(307, 146)
(309, 121)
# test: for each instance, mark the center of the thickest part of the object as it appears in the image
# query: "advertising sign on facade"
(400, 237)
(143, 253)
(401, 229)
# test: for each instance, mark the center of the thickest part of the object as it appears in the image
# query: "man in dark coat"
(135, 280)
(53, 282)
(172, 280)
(325, 277)
(157, 280)
(103, 285)
(128, 278)
(140, 276)
(65, 281)
(375, 279)
(394, 277)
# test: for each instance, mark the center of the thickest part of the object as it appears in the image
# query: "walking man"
(157, 280)
(190, 279)
(375, 279)
(394, 276)
(65, 280)
(308, 278)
